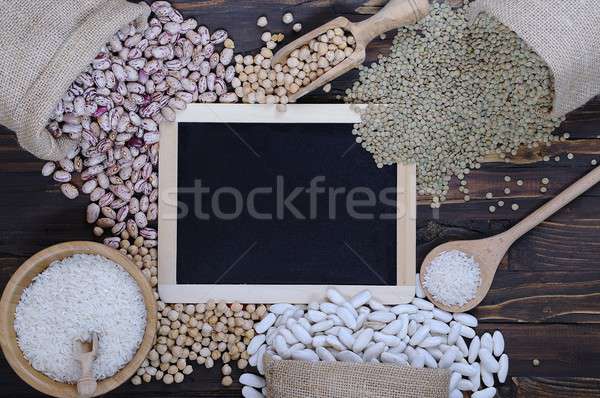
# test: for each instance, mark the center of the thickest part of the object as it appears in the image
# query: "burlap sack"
(565, 33)
(300, 379)
(45, 45)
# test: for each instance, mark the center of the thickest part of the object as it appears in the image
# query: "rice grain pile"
(449, 93)
(453, 278)
(69, 300)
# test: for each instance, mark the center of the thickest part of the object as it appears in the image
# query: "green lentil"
(450, 92)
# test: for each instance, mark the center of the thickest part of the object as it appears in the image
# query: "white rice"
(453, 278)
(69, 300)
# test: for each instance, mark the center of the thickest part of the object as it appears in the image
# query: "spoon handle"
(554, 205)
(393, 15)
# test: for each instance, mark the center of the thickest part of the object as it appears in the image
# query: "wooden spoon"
(395, 14)
(489, 252)
(86, 385)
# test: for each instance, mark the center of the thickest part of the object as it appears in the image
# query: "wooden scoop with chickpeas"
(339, 46)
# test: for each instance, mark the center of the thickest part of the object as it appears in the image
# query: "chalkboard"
(274, 203)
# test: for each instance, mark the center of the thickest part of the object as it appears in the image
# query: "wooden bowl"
(12, 295)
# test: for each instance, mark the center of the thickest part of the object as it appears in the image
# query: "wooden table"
(545, 297)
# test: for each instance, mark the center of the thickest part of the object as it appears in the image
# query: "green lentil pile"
(450, 92)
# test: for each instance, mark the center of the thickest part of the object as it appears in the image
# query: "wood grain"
(544, 296)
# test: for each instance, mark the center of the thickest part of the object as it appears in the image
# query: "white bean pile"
(361, 329)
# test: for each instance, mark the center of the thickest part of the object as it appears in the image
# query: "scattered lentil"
(514, 206)
(545, 181)
(506, 191)
(570, 156)
(543, 189)
(500, 203)
(297, 27)
(520, 183)
(489, 195)
(593, 162)
(492, 209)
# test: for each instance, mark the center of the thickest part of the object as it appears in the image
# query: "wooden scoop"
(489, 252)
(86, 385)
(395, 14)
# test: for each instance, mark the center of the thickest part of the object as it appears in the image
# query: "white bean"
(374, 351)
(431, 341)
(265, 324)
(325, 355)
(487, 377)
(462, 346)
(455, 377)
(487, 341)
(345, 336)
(260, 364)
(348, 356)
(389, 340)
(249, 392)
(381, 316)
(404, 309)
(447, 358)
(288, 336)
(360, 299)
(442, 315)
(388, 357)
(301, 334)
(319, 341)
(418, 288)
(488, 361)
(347, 317)
(465, 319)
(255, 343)
(498, 342)
(438, 326)
(428, 359)
(281, 347)
(307, 355)
(315, 316)
(502, 368)
(393, 327)
(362, 340)
(465, 385)
(335, 297)
(476, 378)
(422, 304)
(489, 392)
(252, 380)
(419, 335)
(280, 308)
(376, 305)
(474, 349)
(328, 308)
(321, 326)
(454, 333)
(455, 394)
(464, 369)
(334, 342)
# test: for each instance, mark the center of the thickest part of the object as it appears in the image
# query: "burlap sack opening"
(565, 34)
(299, 379)
(45, 45)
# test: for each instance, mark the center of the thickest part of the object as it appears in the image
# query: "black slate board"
(284, 249)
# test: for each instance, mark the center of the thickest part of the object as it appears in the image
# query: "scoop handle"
(395, 14)
(554, 205)
(86, 385)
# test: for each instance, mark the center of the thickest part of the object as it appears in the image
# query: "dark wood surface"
(545, 297)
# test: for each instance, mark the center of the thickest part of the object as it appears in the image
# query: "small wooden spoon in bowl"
(395, 14)
(86, 385)
(489, 252)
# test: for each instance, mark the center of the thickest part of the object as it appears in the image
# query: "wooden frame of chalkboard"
(173, 291)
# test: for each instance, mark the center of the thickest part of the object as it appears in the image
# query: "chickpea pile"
(201, 333)
(257, 81)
